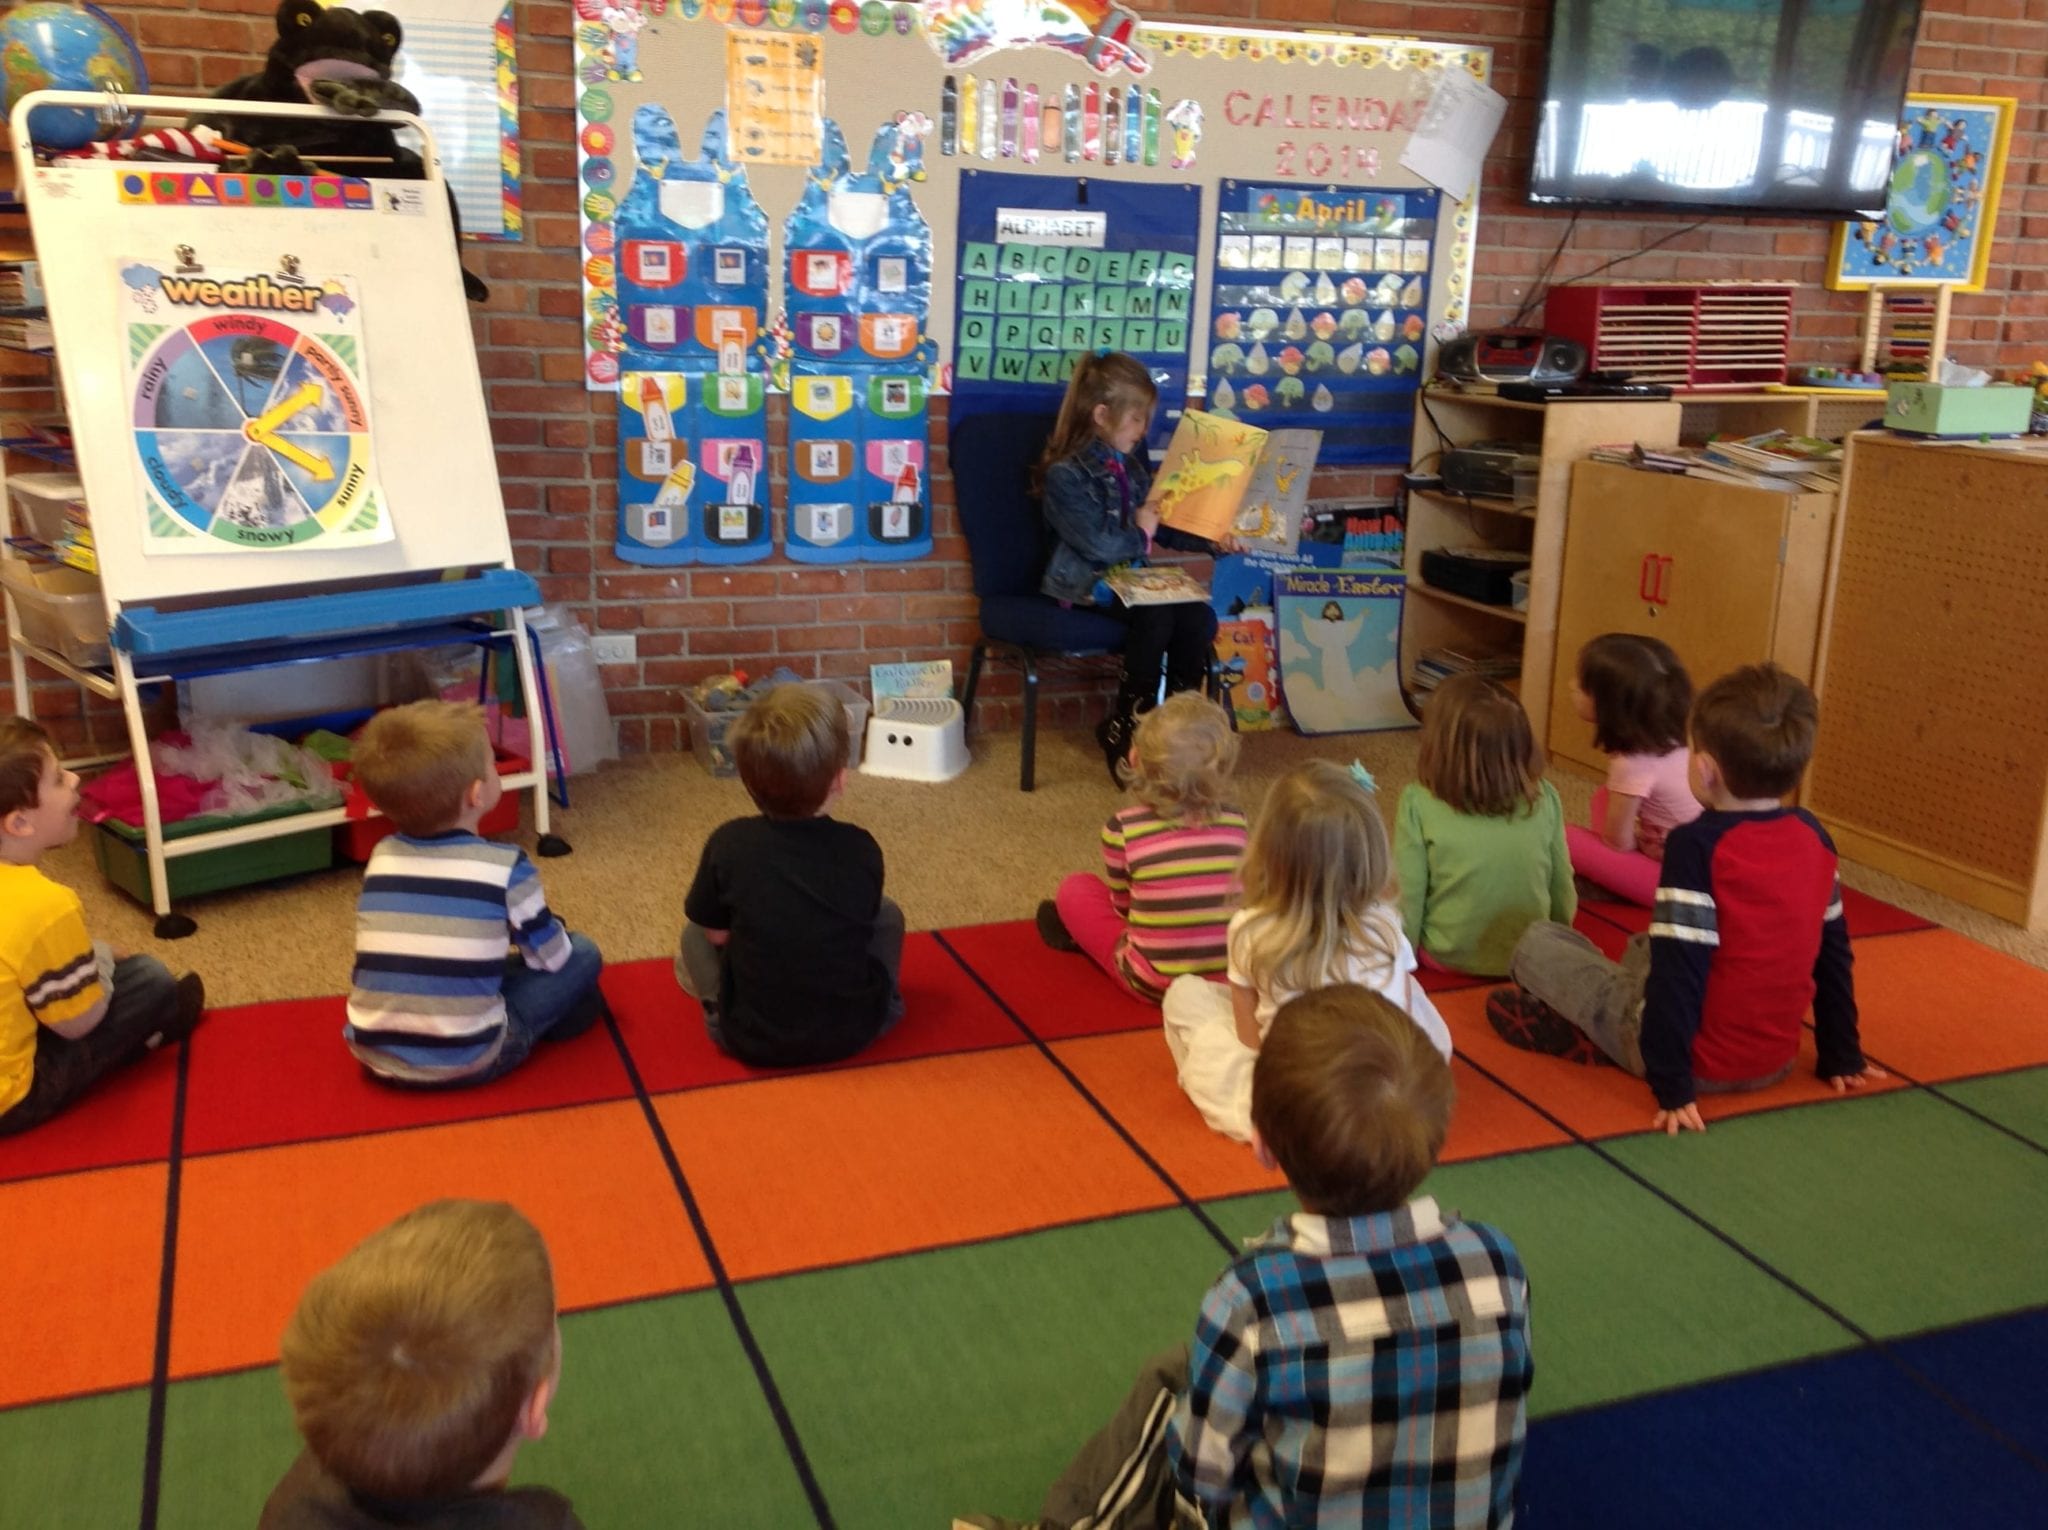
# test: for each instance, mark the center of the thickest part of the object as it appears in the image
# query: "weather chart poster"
(250, 409)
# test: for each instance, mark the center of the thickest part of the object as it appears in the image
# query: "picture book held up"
(1205, 474)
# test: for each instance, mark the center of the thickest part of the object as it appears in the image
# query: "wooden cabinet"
(1561, 434)
(1726, 575)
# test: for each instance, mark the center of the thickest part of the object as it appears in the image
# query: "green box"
(124, 859)
(1928, 409)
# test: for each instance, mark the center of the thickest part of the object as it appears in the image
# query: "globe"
(1920, 192)
(52, 46)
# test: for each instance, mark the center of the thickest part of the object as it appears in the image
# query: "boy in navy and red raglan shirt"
(1747, 930)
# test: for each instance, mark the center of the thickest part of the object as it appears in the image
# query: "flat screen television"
(1773, 106)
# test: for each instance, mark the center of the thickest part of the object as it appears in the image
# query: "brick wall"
(555, 442)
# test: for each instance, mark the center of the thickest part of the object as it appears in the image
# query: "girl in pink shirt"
(1637, 696)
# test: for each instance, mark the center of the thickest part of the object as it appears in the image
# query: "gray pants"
(1120, 1479)
(1602, 998)
(700, 966)
(142, 1001)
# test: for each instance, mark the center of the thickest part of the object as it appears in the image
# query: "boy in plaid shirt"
(1367, 1361)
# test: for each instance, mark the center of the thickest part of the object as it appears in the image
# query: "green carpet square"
(965, 1379)
(2016, 1101)
(1900, 1211)
(660, 1421)
(74, 1463)
(666, 1377)
(1626, 1295)
(227, 1439)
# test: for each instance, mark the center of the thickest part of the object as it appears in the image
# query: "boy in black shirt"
(788, 942)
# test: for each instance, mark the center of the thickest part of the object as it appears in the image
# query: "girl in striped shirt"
(1170, 858)
(1318, 880)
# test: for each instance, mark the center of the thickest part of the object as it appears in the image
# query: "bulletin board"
(1323, 112)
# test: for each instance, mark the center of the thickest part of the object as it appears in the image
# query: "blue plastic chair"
(992, 456)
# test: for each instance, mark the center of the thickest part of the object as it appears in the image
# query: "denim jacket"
(1092, 531)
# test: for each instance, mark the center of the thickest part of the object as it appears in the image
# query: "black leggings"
(1178, 636)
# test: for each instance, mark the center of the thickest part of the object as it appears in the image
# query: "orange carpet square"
(1602, 1101)
(254, 1226)
(1056, 993)
(825, 1168)
(944, 1010)
(78, 1281)
(125, 1119)
(1938, 1006)
(1133, 1076)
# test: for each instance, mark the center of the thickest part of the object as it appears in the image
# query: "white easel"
(449, 564)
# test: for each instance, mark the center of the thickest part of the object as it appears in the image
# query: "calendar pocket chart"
(693, 476)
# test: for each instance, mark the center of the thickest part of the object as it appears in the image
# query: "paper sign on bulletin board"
(775, 90)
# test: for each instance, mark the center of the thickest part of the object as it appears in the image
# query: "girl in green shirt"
(1479, 837)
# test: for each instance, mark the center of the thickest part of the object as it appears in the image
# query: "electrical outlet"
(617, 648)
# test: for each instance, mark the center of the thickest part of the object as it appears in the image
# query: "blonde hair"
(789, 746)
(417, 762)
(408, 1361)
(1183, 757)
(1351, 1099)
(1478, 754)
(1117, 380)
(1317, 862)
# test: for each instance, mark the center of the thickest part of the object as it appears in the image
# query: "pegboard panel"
(1834, 418)
(1934, 717)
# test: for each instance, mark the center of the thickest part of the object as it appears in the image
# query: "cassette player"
(1487, 467)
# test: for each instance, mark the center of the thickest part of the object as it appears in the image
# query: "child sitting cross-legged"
(1636, 694)
(1171, 857)
(1746, 932)
(416, 1367)
(1316, 878)
(1366, 1362)
(789, 945)
(71, 1011)
(436, 1000)
(1479, 834)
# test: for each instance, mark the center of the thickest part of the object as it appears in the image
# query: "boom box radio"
(1510, 355)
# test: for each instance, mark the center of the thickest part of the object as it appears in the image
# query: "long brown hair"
(1117, 380)
(1641, 694)
(1478, 754)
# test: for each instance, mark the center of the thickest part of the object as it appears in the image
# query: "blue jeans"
(538, 1003)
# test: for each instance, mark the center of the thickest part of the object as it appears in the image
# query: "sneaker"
(188, 1009)
(1052, 929)
(1524, 1021)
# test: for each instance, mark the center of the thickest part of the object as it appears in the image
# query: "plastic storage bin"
(124, 859)
(59, 608)
(708, 729)
(43, 498)
(1518, 590)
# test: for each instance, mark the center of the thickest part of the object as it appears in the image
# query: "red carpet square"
(269, 1074)
(1133, 1076)
(827, 1168)
(254, 1227)
(1606, 1102)
(127, 1119)
(1056, 993)
(944, 1010)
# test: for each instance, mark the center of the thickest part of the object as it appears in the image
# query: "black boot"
(1114, 734)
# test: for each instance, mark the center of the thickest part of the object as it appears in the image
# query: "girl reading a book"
(1092, 482)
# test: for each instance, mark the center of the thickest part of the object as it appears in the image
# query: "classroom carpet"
(883, 1293)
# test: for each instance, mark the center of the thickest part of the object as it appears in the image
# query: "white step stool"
(916, 739)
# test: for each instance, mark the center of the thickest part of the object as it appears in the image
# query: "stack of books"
(21, 288)
(1775, 460)
(1433, 666)
(25, 332)
(75, 546)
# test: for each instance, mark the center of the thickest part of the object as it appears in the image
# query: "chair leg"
(1219, 691)
(1030, 721)
(973, 684)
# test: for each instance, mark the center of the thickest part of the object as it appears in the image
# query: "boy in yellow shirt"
(70, 1010)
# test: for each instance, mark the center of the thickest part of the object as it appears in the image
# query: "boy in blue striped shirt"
(436, 1000)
